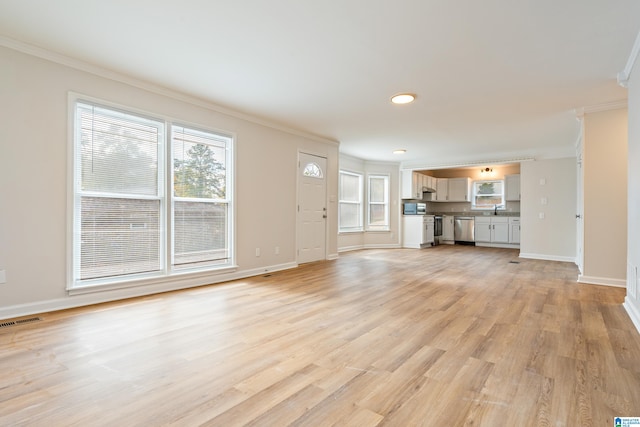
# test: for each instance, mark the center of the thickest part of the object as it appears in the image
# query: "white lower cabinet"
(491, 229)
(514, 230)
(417, 231)
(447, 228)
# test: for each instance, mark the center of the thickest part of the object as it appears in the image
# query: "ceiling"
(495, 79)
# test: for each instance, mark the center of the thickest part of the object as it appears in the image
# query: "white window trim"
(166, 273)
(387, 226)
(501, 207)
(360, 227)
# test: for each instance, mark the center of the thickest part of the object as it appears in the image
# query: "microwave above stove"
(414, 208)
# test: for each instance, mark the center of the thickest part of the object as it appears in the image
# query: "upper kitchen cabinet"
(453, 189)
(442, 190)
(411, 185)
(512, 188)
(414, 184)
(459, 189)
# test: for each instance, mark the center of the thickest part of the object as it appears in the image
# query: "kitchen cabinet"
(459, 189)
(514, 230)
(411, 189)
(512, 188)
(442, 190)
(452, 189)
(417, 231)
(414, 183)
(428, 230)
(447, 228)
(491, 229)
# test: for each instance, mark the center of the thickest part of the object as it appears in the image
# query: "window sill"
(190, 275)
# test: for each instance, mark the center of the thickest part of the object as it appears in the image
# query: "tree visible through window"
(200, 205)
(312, 170)
(121, 210)
(488, 194)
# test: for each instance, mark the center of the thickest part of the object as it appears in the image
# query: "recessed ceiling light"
(403, 98)
(401, 151)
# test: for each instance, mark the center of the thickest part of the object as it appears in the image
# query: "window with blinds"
(378, 212)
(200, 198)
(126, 225)
(350, 204)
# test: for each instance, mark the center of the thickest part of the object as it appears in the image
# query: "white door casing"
(580, 207)
(312, 208)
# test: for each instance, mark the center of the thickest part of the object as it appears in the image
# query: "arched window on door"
(312, 170)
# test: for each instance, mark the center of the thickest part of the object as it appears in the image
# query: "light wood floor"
(447, 336)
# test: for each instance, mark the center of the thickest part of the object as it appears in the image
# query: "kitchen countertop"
(475, 213)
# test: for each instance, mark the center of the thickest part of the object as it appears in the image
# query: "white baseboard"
(101, 296)
(633, 312)
(499, 245)
(548, 257)
(605, 281)
(372, 246)
(331, 257)
(350, 248)
(384, 246)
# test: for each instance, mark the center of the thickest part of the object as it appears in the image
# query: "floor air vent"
(19, 322)
(514, 262)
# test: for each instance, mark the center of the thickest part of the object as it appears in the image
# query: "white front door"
(312, 208)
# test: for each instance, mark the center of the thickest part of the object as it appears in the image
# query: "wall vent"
(19, 322)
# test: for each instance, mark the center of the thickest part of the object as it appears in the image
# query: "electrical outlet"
(277, 250)
(541, 215)
(3, 276)
(257, 251)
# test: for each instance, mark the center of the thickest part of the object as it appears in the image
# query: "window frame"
(173, 198)
(474, 186)
(359, 202)
(386, 203)
(164, 194)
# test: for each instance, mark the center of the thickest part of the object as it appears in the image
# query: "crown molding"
(623, 76)
(79, 65)
(596, 108)
(473, 163)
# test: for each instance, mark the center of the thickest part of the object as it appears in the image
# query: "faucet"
(495, 209)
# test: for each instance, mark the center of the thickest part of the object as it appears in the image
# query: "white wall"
(33, 180)
(374, 239)
(554, 236)
(605, 197)
(632, 300)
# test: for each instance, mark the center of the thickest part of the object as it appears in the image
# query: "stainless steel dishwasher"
(463, 230)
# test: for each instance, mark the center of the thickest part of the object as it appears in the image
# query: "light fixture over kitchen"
(403, 98)
(486, 170)
(400, 151)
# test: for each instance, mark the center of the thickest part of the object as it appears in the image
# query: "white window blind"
(378, 213)
(200, 227)
(350, 205)
(117, 202)
(146, 204)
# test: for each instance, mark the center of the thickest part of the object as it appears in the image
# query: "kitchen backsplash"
(462, 208)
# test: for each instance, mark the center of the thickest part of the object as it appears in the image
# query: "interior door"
(312, 208)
